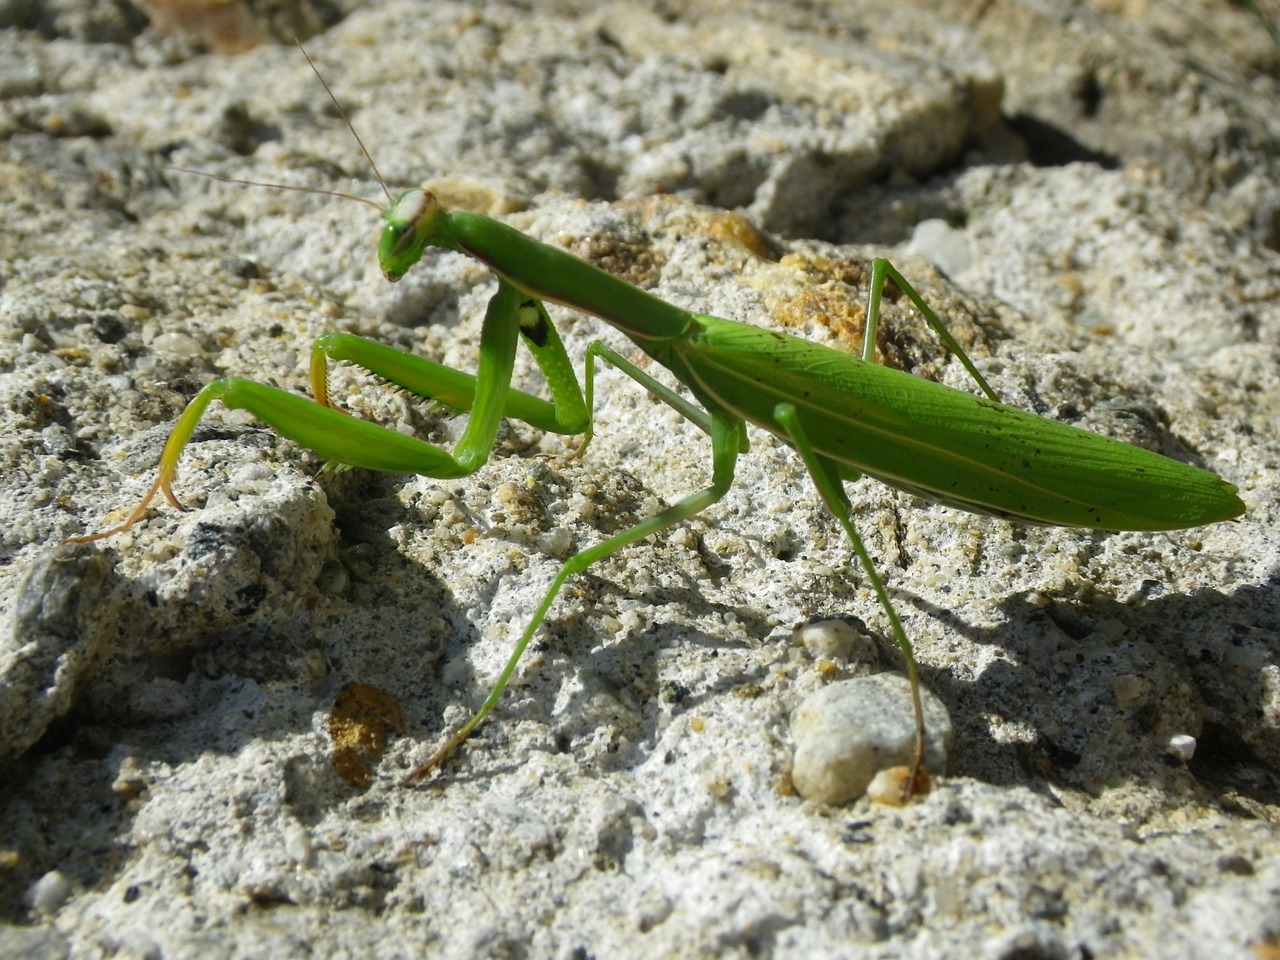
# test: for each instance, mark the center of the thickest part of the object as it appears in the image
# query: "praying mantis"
(845, 416)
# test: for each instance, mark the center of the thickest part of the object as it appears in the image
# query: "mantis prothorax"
(844, 416)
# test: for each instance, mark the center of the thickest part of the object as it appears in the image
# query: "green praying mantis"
(845, 416)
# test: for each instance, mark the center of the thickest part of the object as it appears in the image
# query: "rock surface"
(1109, 172)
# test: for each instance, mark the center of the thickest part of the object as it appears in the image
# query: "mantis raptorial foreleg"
(345, 440)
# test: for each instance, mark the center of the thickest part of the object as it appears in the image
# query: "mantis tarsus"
(845, 416)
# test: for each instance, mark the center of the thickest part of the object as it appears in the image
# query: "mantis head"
(410, 228)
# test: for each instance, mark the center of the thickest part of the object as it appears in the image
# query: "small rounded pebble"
(1182, 746)
(49, 893)
(836, 640)
(942, 245)
(849, 731)
(177, 345)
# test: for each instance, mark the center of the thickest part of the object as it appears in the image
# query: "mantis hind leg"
(826, 477)
(567, 413)
(882, 270)
(727, 435)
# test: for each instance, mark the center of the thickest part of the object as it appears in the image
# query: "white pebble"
(849, 731)
(836, 640)
(1182, 746)
(942, 245)
(180, 345)
(50, 892)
